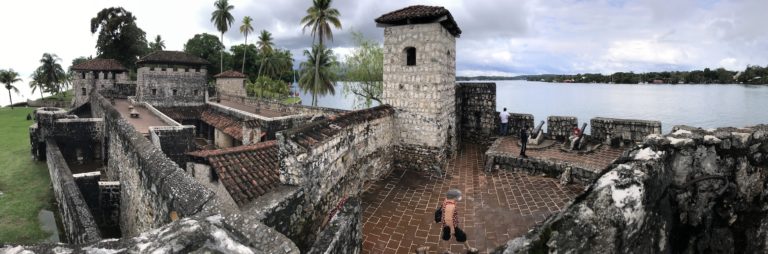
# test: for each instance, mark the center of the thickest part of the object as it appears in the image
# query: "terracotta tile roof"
(100, 65)
(230, 74)
(421, 14)
(314, 133)
(172, 57)
(227, 124)
(182, 113)
(247, 172)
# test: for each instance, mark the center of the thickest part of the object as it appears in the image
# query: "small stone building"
(171, 78)
(231, 82)
(420, 83)
(96, 75)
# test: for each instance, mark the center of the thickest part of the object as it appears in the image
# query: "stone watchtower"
(231, 83)
(171, 78)
(420, 83)
(96, 75)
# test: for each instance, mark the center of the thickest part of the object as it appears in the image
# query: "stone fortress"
(157, 165)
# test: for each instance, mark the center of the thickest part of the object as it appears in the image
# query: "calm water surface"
(706, 106)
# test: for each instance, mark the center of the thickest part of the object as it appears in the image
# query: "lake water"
(706, 106)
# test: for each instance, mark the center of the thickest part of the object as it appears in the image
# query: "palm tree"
(35, 85)
(50, 74)
(8, 78)
(222, 19)
(246, 28)
(320, 17)
(158, 44)
(265, 42)
(318, 78)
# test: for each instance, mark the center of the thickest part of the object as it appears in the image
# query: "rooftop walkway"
(398, 211)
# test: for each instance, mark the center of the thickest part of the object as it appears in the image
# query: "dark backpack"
(439, 215)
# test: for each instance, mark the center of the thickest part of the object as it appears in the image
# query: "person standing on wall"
(523, 141)
(504, 115)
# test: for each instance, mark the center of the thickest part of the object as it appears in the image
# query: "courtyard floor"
(595, 161)
(398, 211)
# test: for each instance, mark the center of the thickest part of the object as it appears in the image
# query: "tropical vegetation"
(317, 76)
(365, 66)
(319, 19)
(246, 28)
(222, 19)
(50, 76)
(158, 44)
(7, 78)
(119, 36)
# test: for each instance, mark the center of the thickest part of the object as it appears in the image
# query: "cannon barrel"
(537, 131)
(581, 135)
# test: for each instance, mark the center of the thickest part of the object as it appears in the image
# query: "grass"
(291, 100)
(24, 182)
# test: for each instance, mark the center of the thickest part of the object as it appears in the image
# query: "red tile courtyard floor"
(398, 211)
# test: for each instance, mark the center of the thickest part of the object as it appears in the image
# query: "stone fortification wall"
(476, 111)
(689, 191)
(560, 127)
(331, 159)
(174, 141)
(168, 87)
(121, 90)
(517, 121)
(200, 234)
(231, 86)
(79, 224)
(87, 82)
(423, 94)
(79, 137)
(152, 185)
(626, 130)
(253, 125)
(344, 232)
(550, 168)
(282, 107)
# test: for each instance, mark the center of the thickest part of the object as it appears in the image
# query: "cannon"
(537, 136)
(578, 142)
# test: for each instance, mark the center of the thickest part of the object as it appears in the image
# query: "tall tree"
(8, 78)
(50, 74)
(35, 85)
(246, 28)
(275, 63)
(320, 17)
(158, 44)
(318, 79)
(222, 19)
(205, 46)
(265, 42)
(119, 37)
(365, 66)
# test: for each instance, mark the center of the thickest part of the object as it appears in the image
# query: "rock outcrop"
(690, 191)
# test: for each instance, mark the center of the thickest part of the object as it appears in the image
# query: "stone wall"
(86, 82)
(121, 90)
(560, 127)
(518, 121)
(231, 86)
(174, 141)
(202, 173)
(626, 130)
(109, 209)
(79, 138)
(477, 111)
(282, 107)
(510, 161)
(423, 94)
(168, 87)
(79, 224)
(152, 185)
(331, 159)
(690, 191)
(344, 232)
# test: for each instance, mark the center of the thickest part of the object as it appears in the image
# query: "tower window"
(83, 75)
(174, 92)
(154, 91)
(82, 91)
(410, 56)
(196, 92)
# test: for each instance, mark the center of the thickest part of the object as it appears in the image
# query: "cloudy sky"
(501, 37)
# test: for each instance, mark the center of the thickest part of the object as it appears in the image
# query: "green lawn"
(24, 182)
(291, 100)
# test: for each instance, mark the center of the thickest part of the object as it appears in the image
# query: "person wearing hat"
(450, 220)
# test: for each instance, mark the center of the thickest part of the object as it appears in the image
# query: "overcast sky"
(500, 37)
